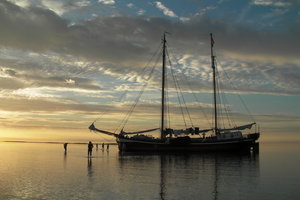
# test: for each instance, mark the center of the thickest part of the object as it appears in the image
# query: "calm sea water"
(44, 171)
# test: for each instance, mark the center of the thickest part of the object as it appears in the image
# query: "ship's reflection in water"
(191, 176)
(43, 171)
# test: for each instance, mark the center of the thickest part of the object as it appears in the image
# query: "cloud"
(276, 12)
(74, 115)
(21, 3)
(130, 5)
(270, 3)
(32, 28)
(60, 81)
(205, 9)
(165, 10)
(141, 12)
(55, 6)
(108, 2)
(119, 46)
(127, 39)
(83, 3)
(44, 70)
(9, 84)
(59, 7)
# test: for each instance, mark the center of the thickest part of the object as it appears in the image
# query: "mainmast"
(162, 134)
(214, 82)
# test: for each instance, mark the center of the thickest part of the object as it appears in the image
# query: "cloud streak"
(270, 3)
(165, 10)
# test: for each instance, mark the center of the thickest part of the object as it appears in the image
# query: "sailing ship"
(190, 139)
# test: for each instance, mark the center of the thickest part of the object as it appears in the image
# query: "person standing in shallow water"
(90, 148)
(65, 147)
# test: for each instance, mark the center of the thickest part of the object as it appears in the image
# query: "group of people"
(90, 147)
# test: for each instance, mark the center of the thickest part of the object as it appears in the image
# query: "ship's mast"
(214, 82)
(162, 134)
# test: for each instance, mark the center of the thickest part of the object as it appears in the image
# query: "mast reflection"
(194, 176)
(162, 178)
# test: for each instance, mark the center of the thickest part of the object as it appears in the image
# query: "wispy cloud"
(205, 10)
(271, 3)
(109, 2)
(141, 12)
(166, 11)
(124, 47)
(130, 5)
(59, 7)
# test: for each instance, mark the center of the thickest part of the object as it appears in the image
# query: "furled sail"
(138, 132)
(247, 126)
(93, 128)
(191, 130)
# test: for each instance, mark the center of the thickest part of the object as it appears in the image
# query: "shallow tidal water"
(44, 171)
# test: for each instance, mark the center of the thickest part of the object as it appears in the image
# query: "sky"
(67, 63)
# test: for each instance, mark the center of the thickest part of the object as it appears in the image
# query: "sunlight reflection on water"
(44, 171)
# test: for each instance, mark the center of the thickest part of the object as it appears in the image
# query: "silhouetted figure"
(107, 147)
(65, 147)
(102, 145)
(97, 146)
(90, 148)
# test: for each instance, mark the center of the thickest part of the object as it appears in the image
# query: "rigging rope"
(168, 105)
(177, 89)
(122, 96)
(239, 96)
(230, 120)
(197, 100)
(220, 105)
(142, 73)
(172, 70)
(126, 118)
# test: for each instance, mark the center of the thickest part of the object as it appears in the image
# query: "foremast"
(162, 133)
(214, 83)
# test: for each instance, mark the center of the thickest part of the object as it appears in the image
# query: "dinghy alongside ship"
(190, 139)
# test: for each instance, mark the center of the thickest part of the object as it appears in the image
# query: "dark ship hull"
(182, 144)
